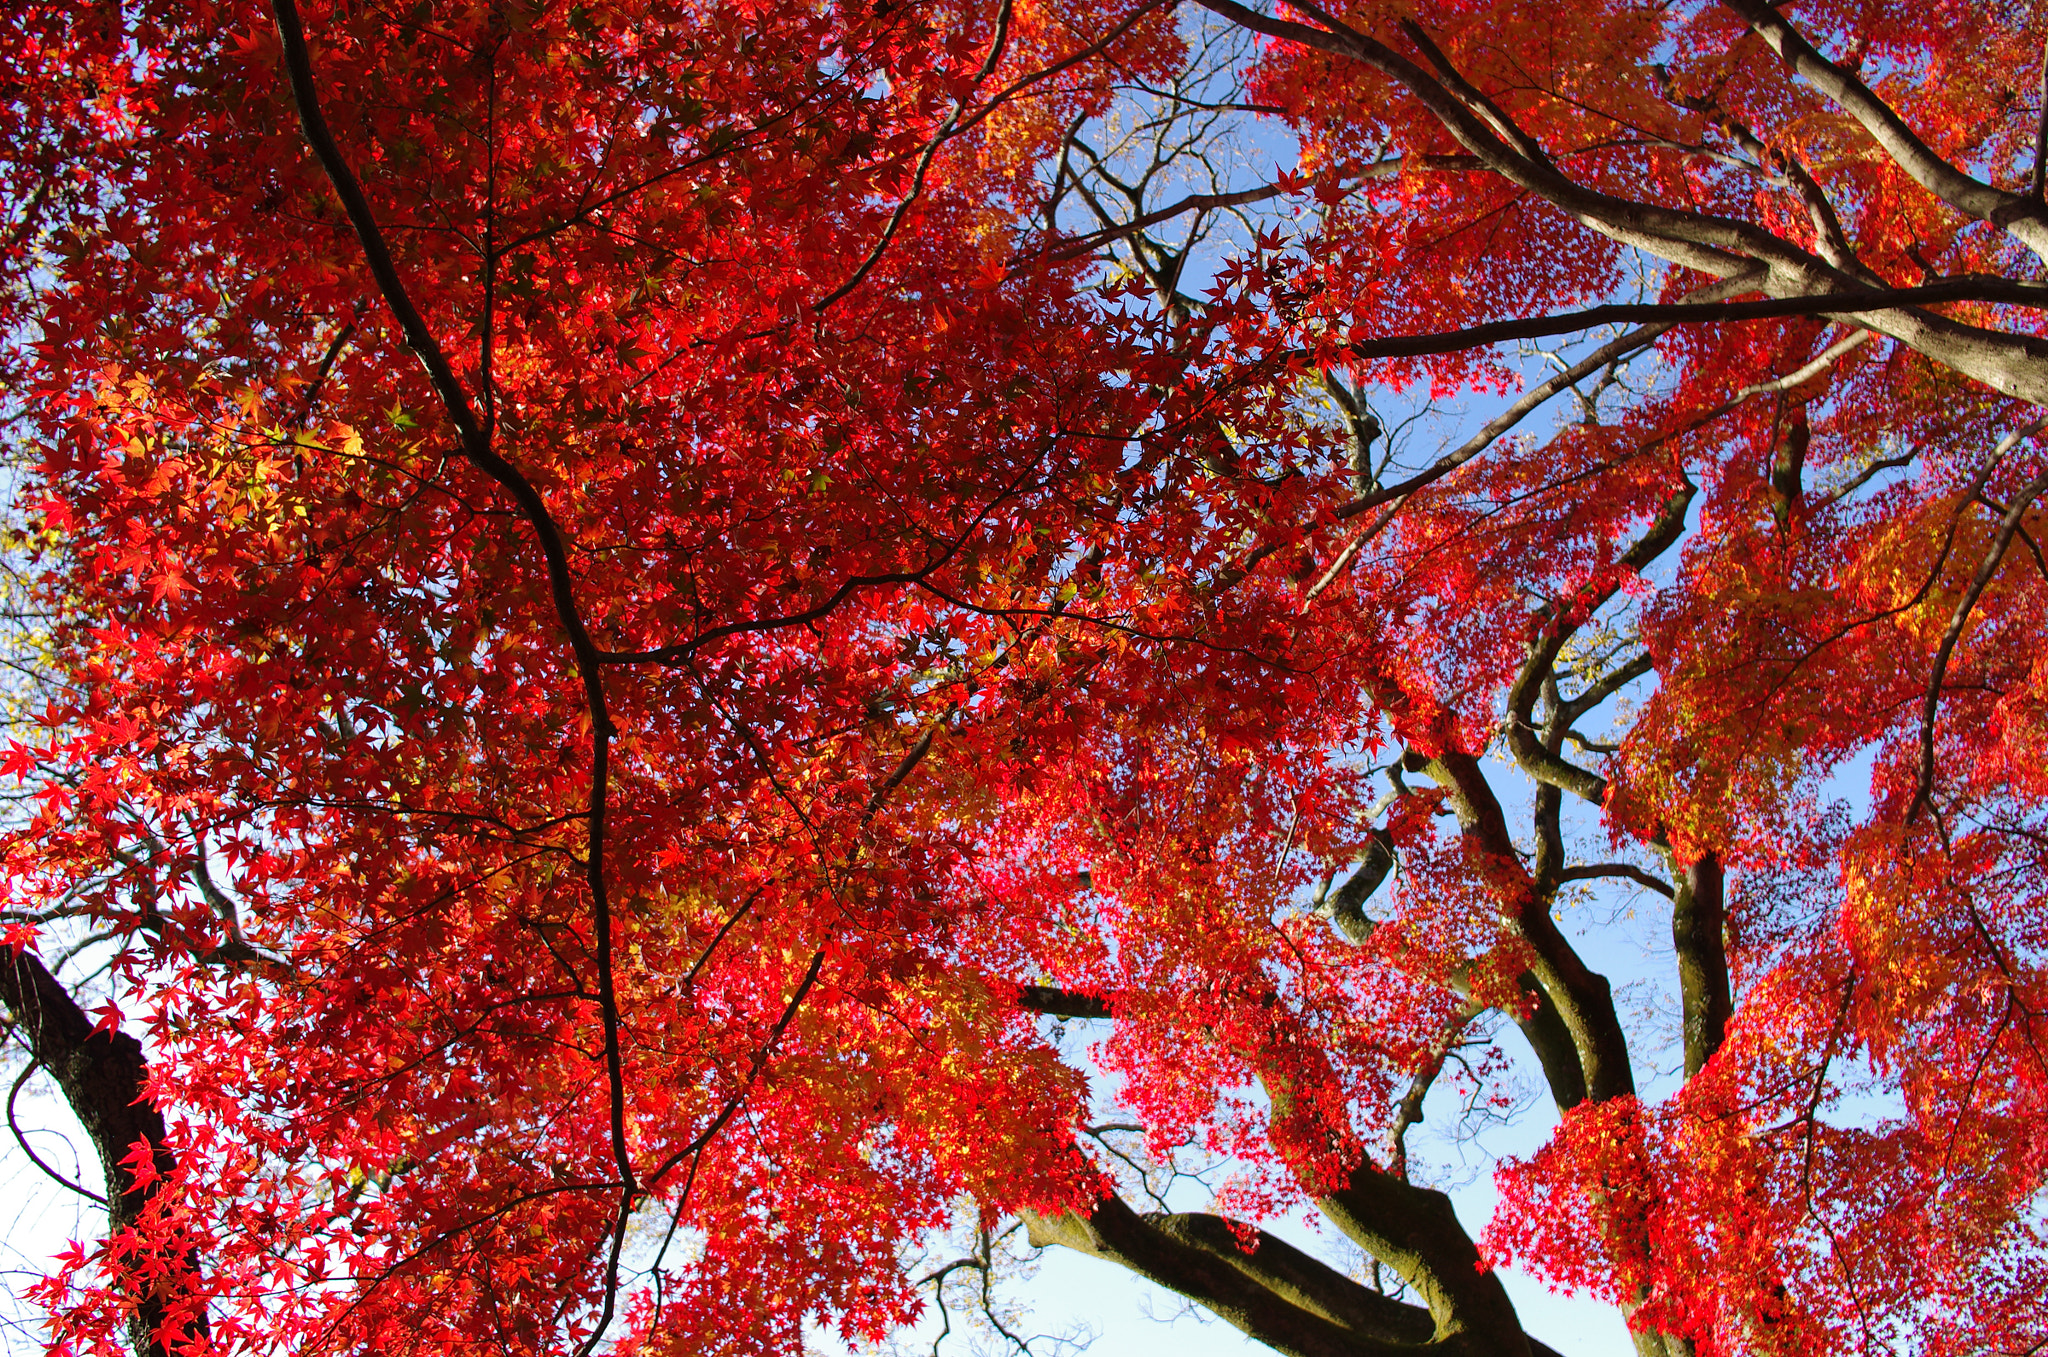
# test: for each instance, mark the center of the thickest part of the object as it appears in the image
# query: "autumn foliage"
(641, 596)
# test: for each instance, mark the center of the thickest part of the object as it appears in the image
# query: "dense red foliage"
(626, 577)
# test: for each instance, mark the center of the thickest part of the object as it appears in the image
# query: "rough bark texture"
(101, 1073)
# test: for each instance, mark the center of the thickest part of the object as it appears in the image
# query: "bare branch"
(1626, 871)
(1061, 1003)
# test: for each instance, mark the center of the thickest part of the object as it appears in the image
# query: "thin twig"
(21, 1139)
(1957, 622)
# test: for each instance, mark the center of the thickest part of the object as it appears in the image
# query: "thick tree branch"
(1416, 1232)
(1604, 687)
(103, 1074)
(2038, 180)
(1345, 907)
(1300, 1280)
(2024, 218)
(1698, 915)
(1721, 247)
(1060, 1003)
(1235, 1294)
(1584, 999)
(1281, 1296)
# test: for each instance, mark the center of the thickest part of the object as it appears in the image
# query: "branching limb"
(1409, 1112)
(477, 447)
(949, 129)
(1632, 342)
(2024, 218)
(1272, 1292)
(1790, 172)
(1345, 907)
(1415, 1232)
(1538, 756)
(1584, 1000)
(1796, 281)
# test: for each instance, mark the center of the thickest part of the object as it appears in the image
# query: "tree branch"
(1536, 756)
(1845, 305)
(1274, 1293)
(1953, 634)
(2038, 180)
(1584, 999)
(1060, 1003)
(1698, 916)
(477, 448)
(103, 1074)
(1416, 1232)
(2024, 219)
(1721, 247)
(1624, 870)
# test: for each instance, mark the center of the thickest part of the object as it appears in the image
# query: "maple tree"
(644, 597)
